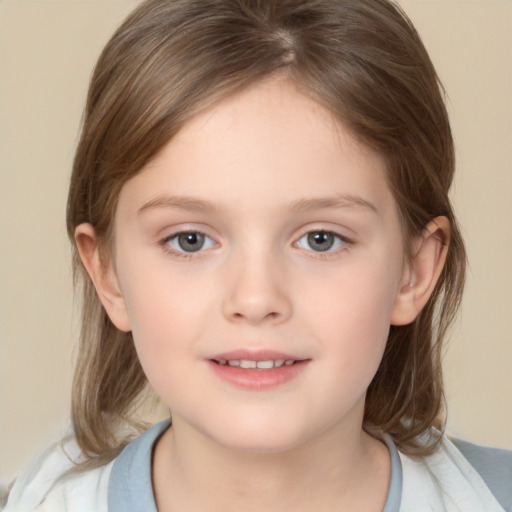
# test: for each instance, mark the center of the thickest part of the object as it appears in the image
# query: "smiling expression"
(259, 258)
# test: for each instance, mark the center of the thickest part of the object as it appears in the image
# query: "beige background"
(47, 50)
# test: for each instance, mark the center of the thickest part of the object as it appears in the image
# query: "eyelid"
(336, 235)
(343, 241)
(176, 251)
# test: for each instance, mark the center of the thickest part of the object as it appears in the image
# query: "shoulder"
(459, 480)
(41, 488)
(494, 465)
(122, 485)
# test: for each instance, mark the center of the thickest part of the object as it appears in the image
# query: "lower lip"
(255, 379)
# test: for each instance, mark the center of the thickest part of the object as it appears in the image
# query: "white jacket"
(442, 482)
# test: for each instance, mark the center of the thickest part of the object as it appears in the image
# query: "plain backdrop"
(47, 51)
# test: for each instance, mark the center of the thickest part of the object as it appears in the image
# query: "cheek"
(160, 316)
(162, 334)
(360, 296)
(351, 311)
(166, 313)
(159, 296)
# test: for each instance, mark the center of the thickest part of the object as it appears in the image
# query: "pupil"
(320, 241)
(191, 242)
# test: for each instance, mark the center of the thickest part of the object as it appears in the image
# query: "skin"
(256, 174)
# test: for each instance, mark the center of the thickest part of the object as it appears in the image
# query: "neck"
(191, 472)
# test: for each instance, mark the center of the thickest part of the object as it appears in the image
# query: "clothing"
(442, 482)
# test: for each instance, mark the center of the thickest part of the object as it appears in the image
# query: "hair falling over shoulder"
(170, 60)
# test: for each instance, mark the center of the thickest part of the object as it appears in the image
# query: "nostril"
(256, 304)
(256, 316)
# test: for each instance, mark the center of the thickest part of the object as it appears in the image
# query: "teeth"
(265, 364)
(261, 365)
(247, 364)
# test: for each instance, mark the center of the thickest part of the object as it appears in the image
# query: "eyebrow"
(192, 204)
(338, 201)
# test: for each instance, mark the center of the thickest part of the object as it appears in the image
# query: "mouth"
(258, 371)
(248, 364)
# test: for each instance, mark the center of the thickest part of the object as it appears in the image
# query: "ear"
(103, 276)
(421, 275)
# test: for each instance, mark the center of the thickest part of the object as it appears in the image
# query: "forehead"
(269, 141)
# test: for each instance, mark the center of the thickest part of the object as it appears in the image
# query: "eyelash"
(340, 242)
(165, 243)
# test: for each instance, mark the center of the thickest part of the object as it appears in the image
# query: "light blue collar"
(130, 487)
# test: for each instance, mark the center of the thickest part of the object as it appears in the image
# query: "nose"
(256, 292)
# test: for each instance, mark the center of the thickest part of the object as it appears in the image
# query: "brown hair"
(171, 59)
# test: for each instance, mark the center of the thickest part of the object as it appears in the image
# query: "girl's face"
(263, 235)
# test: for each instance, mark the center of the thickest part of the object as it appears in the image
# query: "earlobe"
(422, 274)
(103, 276)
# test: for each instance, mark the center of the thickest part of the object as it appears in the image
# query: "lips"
(260, 365)
(257, 370)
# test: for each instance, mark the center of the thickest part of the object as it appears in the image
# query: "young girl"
(260, 218)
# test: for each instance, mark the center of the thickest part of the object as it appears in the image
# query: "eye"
(321, 241)
(189, 241)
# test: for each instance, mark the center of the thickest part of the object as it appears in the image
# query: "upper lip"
(255, 355)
